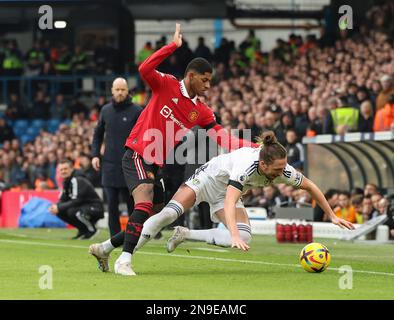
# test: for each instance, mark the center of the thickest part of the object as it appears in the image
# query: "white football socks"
(154, 224)
(107, 245)
(220, 237)
(125, 257)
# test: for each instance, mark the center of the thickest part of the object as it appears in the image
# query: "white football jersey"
(239, 169)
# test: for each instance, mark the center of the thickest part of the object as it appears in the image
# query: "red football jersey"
(169, 113)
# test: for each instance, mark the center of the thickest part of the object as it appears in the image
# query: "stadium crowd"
(303, 87)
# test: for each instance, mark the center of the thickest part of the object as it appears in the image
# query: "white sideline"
(46, 244)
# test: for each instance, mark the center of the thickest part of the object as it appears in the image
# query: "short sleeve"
(241, 174)
(290, 176)
(207, 119)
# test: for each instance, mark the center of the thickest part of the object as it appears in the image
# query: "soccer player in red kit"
(173, 109)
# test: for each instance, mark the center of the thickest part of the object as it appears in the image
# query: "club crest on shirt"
(193, 115)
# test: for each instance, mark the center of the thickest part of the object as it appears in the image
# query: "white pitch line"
(211, 250)
(189, 257)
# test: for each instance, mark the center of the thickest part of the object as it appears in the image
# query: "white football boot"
(97, 250)
(124, 268)
(179, 235)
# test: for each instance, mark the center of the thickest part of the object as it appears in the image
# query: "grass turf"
(268, 271)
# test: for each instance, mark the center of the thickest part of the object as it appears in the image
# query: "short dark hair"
(330, 193)
(200, 65)
(68, 161)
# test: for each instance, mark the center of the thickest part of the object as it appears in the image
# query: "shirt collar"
(184, 92)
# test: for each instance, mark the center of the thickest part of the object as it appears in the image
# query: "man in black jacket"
(79, 205)
(117, 118)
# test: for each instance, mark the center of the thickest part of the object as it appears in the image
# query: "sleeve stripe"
(302, 177)
(235, 184)
(74, 183)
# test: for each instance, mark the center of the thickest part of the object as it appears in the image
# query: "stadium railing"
(76, 84)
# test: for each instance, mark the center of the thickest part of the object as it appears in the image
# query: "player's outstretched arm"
(147, 69)
(217, 133)
(232, 197)
(316, 194)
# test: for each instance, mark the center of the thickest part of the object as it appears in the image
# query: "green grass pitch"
(194, 271)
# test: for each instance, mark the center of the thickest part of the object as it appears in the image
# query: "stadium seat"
(19, 131)
(26, 138)
(33, 131)
(38, 123)
(53, 125)
(21, 124)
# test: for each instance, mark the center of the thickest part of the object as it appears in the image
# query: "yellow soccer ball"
(315, 257)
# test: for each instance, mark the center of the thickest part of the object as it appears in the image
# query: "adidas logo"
(146, 236)
(175, 100)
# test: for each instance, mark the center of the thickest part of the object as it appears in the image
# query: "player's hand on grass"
(237, 242)
(342, 223)
(178, 35)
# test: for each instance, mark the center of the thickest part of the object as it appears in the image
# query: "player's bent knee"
(143, 192)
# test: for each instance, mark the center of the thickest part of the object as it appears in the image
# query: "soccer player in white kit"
(221, 182)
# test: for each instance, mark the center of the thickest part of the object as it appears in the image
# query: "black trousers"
(84, 217)
(112, 195)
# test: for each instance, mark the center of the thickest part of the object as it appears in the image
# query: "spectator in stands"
(41, 106)
(374, 91)
(384, 96)
(13, 64)
(357, 203)
(78, 108)
(295, 150)
(52, 163)
(368, 210)
(6, 132)
(370, 189)
(18, 171)
(332, 198)
(34, 59)
(270, 200)
(79, 61)
(345, 210)
(222, 53)
(253, 198)
(58, 108)
(341, 119)
(375, 200)
(43, 182)
(88, 171)
(384, 117)
(365, 121)
(15, 109)
(63, 63)
(202, 50)
(382, 206)
(351, 97)
(145, 52)
(251, 125)
(316, 123)
(79, 204)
